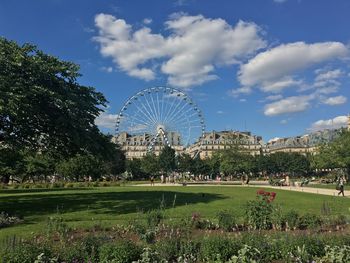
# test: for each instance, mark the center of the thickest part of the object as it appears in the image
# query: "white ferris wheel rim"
(174, 112)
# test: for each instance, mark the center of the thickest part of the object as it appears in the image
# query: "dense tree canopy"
(42, 106)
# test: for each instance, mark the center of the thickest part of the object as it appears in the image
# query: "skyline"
(275, 68)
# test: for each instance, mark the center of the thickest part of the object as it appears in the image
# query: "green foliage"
(309, 221)
(80, 167)
(226, 220)
(217, 247)
(153, 217)
(246, 254)
(167, 159)
(24, 253)
(291, 219)
(119, 252)
(337, 254)
(150, 165)
(258, 214)
(7, 220)
(168, 249)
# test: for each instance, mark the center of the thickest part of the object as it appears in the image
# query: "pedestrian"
(152, 180)
(341, 186)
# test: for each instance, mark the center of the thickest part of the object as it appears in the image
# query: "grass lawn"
(108, 206)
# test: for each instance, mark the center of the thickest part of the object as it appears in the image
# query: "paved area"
(321, 191)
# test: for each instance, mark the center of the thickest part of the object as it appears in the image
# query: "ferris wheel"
(161, 113)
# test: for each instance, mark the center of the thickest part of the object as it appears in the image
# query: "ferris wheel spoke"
(152, 111)
(154, 107)
(176, 110)
(148, 113)
(175, 99)
(144, 113)
(181, 112)
(139, 121)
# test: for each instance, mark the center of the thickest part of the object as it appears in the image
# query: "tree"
(42, 106)
(336, 154)
(150, 164)
(80, 167)
(11, 164)
(167, 159)
(38, 166)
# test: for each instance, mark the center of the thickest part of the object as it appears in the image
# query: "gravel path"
(321, 191)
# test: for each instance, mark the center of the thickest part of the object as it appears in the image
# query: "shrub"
(188, 251)
(309, 221)
(337, 254)
(226, 220)
(149, 236)
(68, 185)
(148, 256)
(217, 248)
(258, 214)
(122, 251)
(153, 217)
(291, 219)
(168, 249)
(246, 255)
(24, 253)
(6, 220)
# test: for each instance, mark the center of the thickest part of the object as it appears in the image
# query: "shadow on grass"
(113, 203)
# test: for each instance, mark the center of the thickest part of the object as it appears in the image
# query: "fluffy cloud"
(288, 105)
(337, 100)
(274, 97)
(106, 120)
(189, 55)
(279, 63)
(337, 122)
(279, 85)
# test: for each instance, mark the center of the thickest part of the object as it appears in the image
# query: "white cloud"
(189, 55)
(220, 112)
(284, 121)
(280, 1)
(106, 120)
(337, 100)
(236, 92)
(280, 62)
(147, 21)
(274, 97)
(107, 69)
(329, 75)
(335, 123)
(288, 105)
(243, 100)
(279, 85)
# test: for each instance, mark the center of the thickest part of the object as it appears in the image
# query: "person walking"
(341, 186)
(152, 180)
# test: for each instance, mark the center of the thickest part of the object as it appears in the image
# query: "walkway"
(259, 184)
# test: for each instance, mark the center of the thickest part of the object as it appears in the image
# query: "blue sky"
(277, 68)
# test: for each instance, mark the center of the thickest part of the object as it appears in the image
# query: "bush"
(189, 251)
(154, 217)
(309, 221)
(226, 220)
(122, 251)
(291, 219)
(24, 253)
(337, 254)
(168, 249)
(217, 248)
(6, 220)
(258, 214)
(68, 185)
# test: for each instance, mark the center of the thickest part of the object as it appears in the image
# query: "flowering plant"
(266, 196)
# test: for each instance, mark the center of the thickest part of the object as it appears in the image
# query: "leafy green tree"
(184, 163)
(42, 106)
(134, 167)
(38, 166)
(81, 167)
(150, 164)
(336, 154)
(11, 164)
(167, 159)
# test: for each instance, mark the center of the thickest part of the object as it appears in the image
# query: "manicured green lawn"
(108, 206)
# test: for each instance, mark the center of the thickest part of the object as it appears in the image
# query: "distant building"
(305, 144)
(137, 146)
(214, 141)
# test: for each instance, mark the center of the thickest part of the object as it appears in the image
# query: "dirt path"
(321, 191)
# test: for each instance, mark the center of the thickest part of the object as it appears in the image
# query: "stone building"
(214, 141)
